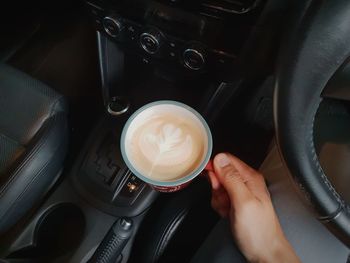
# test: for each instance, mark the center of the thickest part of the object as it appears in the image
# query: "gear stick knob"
(114, 242)
(118, 106)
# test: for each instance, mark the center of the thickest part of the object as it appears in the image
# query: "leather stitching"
(34, 179)
(319, 168)
(10, 139)
(13, 204)
(28, 158)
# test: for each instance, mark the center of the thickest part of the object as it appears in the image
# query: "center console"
(193, 36)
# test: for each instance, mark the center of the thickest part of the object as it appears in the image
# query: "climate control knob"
(194, 58)
(112, 25)
(150, 41)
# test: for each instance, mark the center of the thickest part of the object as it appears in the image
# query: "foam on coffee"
(166, 142)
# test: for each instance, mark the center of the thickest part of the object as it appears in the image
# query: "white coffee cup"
(166, 144)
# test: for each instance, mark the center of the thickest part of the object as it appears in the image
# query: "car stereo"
(192, 34)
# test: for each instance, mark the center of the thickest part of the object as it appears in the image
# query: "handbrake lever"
(114, 242)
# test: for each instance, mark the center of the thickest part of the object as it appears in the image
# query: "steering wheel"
(317, 49)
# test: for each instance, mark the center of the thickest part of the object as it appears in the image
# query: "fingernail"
(223, 160)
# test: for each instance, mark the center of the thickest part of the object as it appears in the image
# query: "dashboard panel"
(197, 35)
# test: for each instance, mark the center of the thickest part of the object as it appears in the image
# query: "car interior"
(266, 75)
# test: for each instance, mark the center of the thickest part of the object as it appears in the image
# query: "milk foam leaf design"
(170, 136)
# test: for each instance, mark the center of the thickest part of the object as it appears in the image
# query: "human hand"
(239, 193)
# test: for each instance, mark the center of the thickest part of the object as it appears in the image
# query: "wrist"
(278, 251)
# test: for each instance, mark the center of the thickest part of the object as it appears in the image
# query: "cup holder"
(58, 232)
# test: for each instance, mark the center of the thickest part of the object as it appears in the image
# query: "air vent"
(216, 7)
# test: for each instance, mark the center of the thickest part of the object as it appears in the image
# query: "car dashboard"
(193, 36)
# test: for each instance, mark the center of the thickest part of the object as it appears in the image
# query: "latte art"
(166, 143)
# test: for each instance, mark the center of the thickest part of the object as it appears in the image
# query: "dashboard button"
(132, 186)
(193, 59)
(112, 26)
(150, 41)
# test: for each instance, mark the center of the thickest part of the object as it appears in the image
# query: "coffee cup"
(166, 144)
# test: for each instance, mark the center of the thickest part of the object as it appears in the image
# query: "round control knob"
(193, 59)
(150, 41)
(112, 26)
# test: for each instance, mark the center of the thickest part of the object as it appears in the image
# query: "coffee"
(166, 142)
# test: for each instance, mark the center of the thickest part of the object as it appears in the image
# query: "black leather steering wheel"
(317, 47)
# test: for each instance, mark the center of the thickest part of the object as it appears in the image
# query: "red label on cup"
(169, 189)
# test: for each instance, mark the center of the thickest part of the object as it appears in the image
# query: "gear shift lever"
(118, 106)
(113, 243)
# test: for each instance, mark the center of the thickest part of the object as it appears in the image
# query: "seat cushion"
(10, 150)
(33, 142)
(25, 104)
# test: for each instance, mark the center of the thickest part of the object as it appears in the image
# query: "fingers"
(209, 166)
(234, 182)
(252, 179)
(258, 187)
(244, 169)
(219, 198)
(221, 202)
(230, 178)
(215, 184)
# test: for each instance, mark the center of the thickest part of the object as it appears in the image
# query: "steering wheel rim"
(316, 48)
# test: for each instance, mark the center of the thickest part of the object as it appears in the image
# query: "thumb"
(231, 179)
